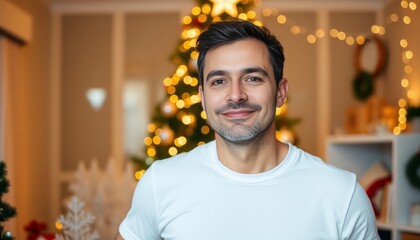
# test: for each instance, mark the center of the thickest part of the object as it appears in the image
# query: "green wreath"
(412, 169)
(363, 85)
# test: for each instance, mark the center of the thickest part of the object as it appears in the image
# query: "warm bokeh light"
(180, 103)
(151, 152)
(333, 33)
(196, 11)
(320, 33)
(409, 54)
(202, 18)
(402, 103)
(281, 19)
(205, 129)
(266, 12)
(203, 115)
(206, 9)
(58, 225)
(311, 38)
(406, 19)
(350, 40)
(171, 90)
(151, 127)
(341, 35)
(404, 83)
(408, 69)
(295, 30)
(172, 151)
(139, 174)
(394, 17)
(251, 14)
(403, 43)
(148, 141)
(412, 6)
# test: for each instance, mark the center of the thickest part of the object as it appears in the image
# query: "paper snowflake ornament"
(76, 223)
(106, 193)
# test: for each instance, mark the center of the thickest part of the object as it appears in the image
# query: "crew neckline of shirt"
(251, 178)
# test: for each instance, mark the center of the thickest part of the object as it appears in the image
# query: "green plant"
(412, 112)
(6, 210)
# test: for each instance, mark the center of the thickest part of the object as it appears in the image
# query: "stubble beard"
(240, 133)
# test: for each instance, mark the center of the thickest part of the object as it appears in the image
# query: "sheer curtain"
(8, 70)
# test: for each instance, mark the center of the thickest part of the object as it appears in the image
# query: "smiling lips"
(239, 113)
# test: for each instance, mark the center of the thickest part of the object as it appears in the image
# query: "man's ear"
(282, 89)
(201, 92)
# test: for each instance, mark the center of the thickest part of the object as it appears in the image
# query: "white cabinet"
(357, 153)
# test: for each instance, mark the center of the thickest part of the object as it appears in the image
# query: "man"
(246, 184)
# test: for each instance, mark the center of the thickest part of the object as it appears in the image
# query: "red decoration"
(36, 229)
(374, 188)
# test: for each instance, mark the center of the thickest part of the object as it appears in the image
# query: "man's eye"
(217, 82)
(253, 79)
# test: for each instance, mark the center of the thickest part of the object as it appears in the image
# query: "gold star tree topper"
(228, 6)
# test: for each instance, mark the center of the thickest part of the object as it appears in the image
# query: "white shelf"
(357, 153)
(410, 229)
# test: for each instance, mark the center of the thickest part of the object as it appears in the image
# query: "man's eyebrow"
(243, 71)
(254, 70)
(216, 73)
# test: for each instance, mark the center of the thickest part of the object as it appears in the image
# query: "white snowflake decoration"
(107, 193)
(76, 223)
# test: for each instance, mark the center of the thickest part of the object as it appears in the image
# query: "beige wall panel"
(342, 62)
(151, 40)
(86, 63)
(300, 70)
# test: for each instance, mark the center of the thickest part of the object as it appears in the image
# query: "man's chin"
(238, 139)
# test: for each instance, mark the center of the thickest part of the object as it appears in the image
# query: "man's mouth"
(237, 113)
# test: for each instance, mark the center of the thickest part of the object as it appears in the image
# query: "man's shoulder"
(322, 169)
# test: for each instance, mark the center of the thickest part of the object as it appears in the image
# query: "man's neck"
(257, 156)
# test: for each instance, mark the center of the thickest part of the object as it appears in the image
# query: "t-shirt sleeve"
(140, 222)
(360, 222)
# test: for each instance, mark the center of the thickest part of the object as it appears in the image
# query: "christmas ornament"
(168, 109)
(192, 64)
(166, 135)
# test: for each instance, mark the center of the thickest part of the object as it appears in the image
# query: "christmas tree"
(6, 211)
(179, 123)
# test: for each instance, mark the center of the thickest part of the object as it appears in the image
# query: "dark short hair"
(221, 33)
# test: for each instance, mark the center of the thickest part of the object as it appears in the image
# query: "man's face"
(239, 92)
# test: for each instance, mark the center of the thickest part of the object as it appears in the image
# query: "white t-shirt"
(193, 196)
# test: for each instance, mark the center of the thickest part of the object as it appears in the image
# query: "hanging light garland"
(406, 57)
(359, 38)
(312, 37)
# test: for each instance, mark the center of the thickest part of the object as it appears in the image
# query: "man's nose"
(236, 92)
